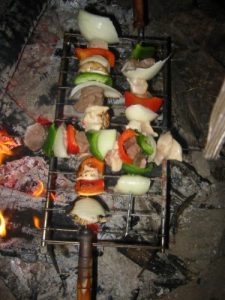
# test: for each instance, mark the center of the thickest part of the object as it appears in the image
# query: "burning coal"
(7, 143)
(3, 223)
(39, 190)
(37, 222)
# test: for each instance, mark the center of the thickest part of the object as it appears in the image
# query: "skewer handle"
(138, 8)
(85, 266)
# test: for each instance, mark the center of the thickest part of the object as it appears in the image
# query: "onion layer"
(140, 113)
(106, 141)
(108, 90)
(97, 27)
(96, 58)
(144, 73)
(59, 146)
(87, 211)
(132, 184)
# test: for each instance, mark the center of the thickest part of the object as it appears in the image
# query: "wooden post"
(85, 266)
(138, 8)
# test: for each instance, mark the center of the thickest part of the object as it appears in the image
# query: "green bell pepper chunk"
(89, 76)
(48, 144)
(132, 169)
(142, 52)
(92, 137)
(143, 142)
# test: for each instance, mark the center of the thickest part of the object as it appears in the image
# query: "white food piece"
(97, 58)
(143, 127)
(167, 148)
(138, 86)
(97, 27)
(113, 159)
(89, 173)
(97, 43)
(135, 125)
(140, 113)
(132, 184)
(95, 117)
(60, 142)
(108, 90)
(88, 211)
(147, 129)
(106, 141)
(163, 147)
(93, 67)
(143, 73)
(175, 151)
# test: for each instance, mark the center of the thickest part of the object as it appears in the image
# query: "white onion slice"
(97, 27)
(140, 113)
(108, 90)
(59, 146)
(87, 211)
(132, 184)
(97, 58)
(106, 141)
(144, 73)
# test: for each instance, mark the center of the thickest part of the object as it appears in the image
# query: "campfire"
(26, 267)
(128, 220)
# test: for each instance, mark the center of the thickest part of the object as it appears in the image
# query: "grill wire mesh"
(133, 221)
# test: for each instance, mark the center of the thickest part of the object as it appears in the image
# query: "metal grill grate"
(135, 221)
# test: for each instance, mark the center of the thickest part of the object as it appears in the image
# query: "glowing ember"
(39, 189)
(2, 225)
(37, 222)
(7, 143)
(52, 196)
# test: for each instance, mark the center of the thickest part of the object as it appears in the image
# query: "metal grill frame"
(69, 39)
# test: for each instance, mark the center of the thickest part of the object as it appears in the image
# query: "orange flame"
(39, 189)
(2, 225)
(6, 144)
(37, 222)
(52, 196)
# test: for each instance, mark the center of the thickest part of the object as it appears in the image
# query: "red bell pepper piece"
(153, 103)
(72, 146)
(43, 121)
(89, 187)
(82, 53)
(126, 135)
(92, 162)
